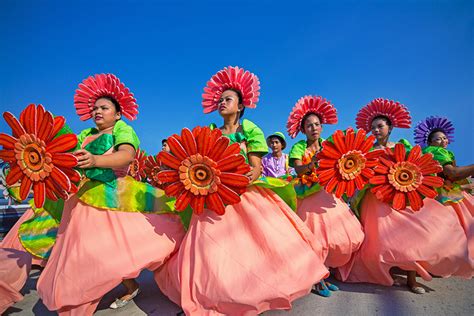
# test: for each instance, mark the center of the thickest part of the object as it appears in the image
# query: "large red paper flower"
(346, 163)
(104, 85)
(37, 158)
(137, 167)
(405, 178)
(310, 104)
(231, 78)
(397, 113)
(204, 170)
(152, 168)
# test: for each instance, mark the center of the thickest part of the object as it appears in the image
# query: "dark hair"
(114, 102)
(163, 141)
(306, 116)
(431, 134)
(239, 95)
(383, 118)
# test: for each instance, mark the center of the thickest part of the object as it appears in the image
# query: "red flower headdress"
(310, 104)
(397, 113)
(400, 177)
(204, 169)
(346, 163)
(104, 85)
(231, 78)
(137, 167)
(39, 159)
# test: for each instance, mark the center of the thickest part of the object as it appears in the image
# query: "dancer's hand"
(85, 159)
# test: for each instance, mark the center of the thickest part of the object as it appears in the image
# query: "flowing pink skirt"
(332, 221)
(96, 249)
(465, 211)
(14, 269)
(257, 256)
(429, 241)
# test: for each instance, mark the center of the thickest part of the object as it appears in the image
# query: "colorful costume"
(451, 194)
(401, 229)
(328, 217)
(243, 261)
(114, 226)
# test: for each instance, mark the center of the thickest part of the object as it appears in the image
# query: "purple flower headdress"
(424, 128)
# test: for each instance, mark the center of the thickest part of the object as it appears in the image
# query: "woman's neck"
(277, 154)
(231, 124)
(105, 130)
(313, 144)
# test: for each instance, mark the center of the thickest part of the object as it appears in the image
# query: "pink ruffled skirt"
(429, 241)
(96, 249)
(332, 222)
(257, 256)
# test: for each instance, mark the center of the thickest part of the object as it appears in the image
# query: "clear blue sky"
(417, 52)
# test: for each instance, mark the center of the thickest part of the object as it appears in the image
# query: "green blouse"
(442, 155)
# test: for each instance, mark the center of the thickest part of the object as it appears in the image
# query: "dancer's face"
(380, 129)
(312, 127)
(275, 144)
(439, 139)
(229, 103)
(104, 114)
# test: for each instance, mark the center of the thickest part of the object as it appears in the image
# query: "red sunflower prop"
(346, 163)
(405, 178)
(37, 158)
(397, 113)
(104, 85)
(204, 170)
(137, 167)
(231, 78)
(152, 168)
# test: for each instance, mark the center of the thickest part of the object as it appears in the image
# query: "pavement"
(452, 296)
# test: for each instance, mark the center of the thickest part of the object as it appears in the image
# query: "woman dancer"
(110, 230)
(258, 255)
(411, 237)
(329, 218)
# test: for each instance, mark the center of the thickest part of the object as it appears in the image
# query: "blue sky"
(417, 52)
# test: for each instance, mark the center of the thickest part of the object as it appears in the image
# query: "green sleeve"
(297, 151)
(82, 135)
(256, 142)
(443, 156)
(406, 143)
(124, 134)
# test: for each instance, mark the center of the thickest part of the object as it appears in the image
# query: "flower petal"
(339, 141)
(415, 200)
(399, 201)
(427, 191)
(197, 203)
(39, 193)
(169, 160)
(188, 141)
(331, 185)
(73, 175)
(433, 181)
(329, 151)
(58, 124)
(234, 179)
(173, 189)
(232, 149)
(230, 162)
(12, 121)
(399, 152)
(7, 155)
(7, 141)
(25, 188)
(227, 195)
(203, 141)
(61, 179)
(325, 175)
(415, 154)
(218, 149)
(350, 139)
(214, 202)
(28, 119)
(374, 154)
(167, 176)
(183, 199)
(176, 148)
(14, 175)
(359, 182)
(367, 144)
(378, 179)
(350, 188)
(359, 139)
(45, 124)
(65, 160)
(326, 163)
(62, 143)
(341, 188)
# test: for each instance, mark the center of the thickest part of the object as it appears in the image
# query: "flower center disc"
(199, 175)
(351, 164)
(404, 176)
(33, 156)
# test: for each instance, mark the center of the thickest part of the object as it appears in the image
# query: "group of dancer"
(221, 236)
